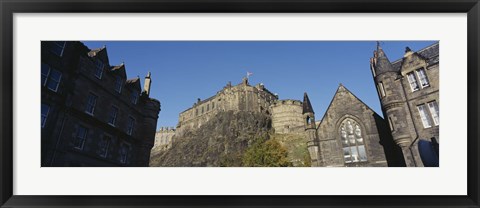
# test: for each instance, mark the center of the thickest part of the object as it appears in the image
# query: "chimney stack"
(148, 82)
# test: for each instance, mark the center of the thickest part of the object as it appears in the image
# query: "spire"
(380, 62)
(307, 106)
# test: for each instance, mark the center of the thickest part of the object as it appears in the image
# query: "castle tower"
(311, 131)
(393, 102)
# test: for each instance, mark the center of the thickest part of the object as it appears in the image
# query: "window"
(381, 89)
(208, 107)
(196, 112)
(118, 84)
(80, 137)
(433, 107)
(124, 152)
(213, 105)
(131, 125)
(112, 118)
(58, 47)
(45, 111)
(99, 68)
(424, 116)
(104, 145)
(391, 124)
(134, 97)
(92, 100)
(50, 77)
(413, 81)
(352, 142)
(202, 109)
(422, 76)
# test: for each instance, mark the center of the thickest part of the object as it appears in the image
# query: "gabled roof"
(119, 69)
(94, 52)
(342, 88)
(429, 53)
(134, 83)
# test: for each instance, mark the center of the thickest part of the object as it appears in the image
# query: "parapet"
(287, 102)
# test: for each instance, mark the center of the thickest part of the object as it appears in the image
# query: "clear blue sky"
(183, 71)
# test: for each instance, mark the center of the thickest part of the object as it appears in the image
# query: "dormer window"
(134, 97)
(413, 81)
(118, 84)
(99, 68)
(418, 76)
(422, 76)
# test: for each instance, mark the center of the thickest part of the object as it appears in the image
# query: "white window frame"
(82, 139)
(381, 89)
(112, 123)
(93, 105)
(131, 125)
(45, 116)
(410, 81)
(434, 112)
(417, 73)
(424, 116)
(99, 66)
(49, 79)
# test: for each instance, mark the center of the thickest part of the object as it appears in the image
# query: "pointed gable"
(134, 84)
(100, 53)
(119, 70)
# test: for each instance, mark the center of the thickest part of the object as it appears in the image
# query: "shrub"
(269, 153)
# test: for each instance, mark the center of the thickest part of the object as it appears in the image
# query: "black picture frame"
(10, 7)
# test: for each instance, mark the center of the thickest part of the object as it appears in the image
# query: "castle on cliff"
(350, 133)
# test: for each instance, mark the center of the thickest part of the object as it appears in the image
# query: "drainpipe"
(414, 127)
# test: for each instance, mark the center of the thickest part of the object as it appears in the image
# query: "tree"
(269, 153)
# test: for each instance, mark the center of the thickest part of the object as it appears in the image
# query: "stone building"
(349, 134)
(163, 139)
(91, 114)
(408, 89)
(287, 116)
(241, 97)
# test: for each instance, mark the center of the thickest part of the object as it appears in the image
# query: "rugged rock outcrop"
(222, 141)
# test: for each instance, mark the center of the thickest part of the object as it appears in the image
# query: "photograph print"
(240, 104)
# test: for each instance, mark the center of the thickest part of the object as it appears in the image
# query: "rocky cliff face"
(221, 141)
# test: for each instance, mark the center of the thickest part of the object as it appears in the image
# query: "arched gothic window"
(352, 141)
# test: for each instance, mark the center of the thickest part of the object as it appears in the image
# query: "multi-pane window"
(424, 116)
(91, 102)
(130, 125)
(80, 137)
(45, 111)
(422, 76)
(112, 118)
(433, 107)
(58, 47)
(352, 142)
(412, 81)
(118, 84)
(134, 97)
(50, 77)
(99, 68)
(104, 145)
(124, 152)
(381, 89)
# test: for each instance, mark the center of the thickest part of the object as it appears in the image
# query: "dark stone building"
(408, 89)
(349, 134)
(92, 115)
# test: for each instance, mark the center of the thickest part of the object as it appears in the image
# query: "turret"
(311, 131)
(392, 98)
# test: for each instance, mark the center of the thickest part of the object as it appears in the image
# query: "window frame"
(99, 68)
(425, 117)
(130, 125)
(55, 44)
(414, 79)
(118, 84)
(104, 149)
(91, 94)
(115, 116)
(81, 139)
(49, 79)
(435, 112)
(420, 80)
(44, 121)
(124, 155)
(356, 146)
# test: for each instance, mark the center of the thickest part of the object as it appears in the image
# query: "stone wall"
(287, 116)
(163, 139)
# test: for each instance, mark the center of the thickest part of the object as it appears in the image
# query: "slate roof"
(307, 106)
(431, 53)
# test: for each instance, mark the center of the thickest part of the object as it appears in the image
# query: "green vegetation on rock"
(269, 153)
